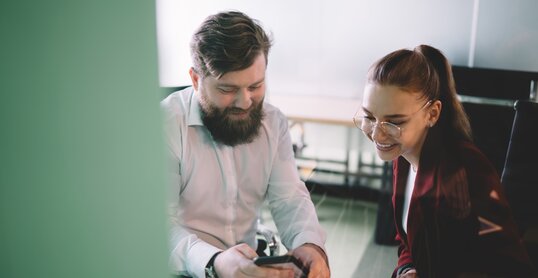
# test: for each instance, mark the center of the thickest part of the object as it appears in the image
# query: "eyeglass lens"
(367, 126)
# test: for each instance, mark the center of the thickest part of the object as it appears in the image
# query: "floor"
(350, 225)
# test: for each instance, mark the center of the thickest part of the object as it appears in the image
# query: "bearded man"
(229, 153)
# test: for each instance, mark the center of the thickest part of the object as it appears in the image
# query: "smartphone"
(281, 261)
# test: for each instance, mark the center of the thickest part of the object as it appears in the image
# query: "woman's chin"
(387, 155)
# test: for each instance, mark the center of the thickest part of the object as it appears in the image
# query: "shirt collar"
(195, 113)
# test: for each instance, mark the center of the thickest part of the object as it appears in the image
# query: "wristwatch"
(210, 271)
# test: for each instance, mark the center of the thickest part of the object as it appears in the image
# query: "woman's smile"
(384, 147)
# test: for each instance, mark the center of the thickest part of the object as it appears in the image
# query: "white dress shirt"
(217, 190)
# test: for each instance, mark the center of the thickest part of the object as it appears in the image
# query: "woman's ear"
(435, 112)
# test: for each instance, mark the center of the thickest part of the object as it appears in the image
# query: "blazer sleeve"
(404, 256)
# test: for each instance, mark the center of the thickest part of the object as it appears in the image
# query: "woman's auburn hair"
(425, 70)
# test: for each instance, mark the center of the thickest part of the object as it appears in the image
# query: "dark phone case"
(269, 260)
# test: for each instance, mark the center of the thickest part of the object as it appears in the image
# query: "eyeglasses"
(367, 124)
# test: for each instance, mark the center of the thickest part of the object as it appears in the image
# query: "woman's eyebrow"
(391, 116)
(366, 110)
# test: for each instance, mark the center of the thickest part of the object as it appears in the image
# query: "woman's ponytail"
(453, 118)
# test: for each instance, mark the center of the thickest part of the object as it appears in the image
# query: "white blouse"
(408, 193)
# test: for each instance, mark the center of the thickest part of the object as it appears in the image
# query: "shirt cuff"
(309, 237)
(198, 257)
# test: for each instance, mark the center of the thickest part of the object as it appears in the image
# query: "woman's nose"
(378, 133)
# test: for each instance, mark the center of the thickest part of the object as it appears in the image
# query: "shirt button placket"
(231, 193)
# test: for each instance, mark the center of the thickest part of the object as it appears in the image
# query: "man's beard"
(232, 132)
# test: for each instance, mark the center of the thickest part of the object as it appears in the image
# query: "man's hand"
(313, 258)
(237, 262)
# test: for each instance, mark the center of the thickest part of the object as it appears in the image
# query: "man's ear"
(435, 111)
(195, 78)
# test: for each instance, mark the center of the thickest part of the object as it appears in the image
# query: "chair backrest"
(493, 83)
(520, 175)
(491, 125)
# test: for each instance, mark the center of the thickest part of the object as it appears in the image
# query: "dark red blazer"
(456, 186)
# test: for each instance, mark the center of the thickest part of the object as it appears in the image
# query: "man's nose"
(243, 99)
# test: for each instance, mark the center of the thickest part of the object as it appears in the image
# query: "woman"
(452, 218)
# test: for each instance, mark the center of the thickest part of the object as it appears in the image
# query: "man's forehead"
(253, 74)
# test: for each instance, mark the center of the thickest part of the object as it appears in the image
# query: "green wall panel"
(82, 187)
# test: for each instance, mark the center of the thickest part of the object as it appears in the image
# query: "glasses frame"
(382, 124)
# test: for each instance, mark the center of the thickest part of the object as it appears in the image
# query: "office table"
(330, 111)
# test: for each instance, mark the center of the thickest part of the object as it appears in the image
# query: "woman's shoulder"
(478, 168)
(471, 155)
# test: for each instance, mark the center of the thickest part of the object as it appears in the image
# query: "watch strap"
(210, 271)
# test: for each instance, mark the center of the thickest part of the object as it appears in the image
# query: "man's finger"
(248, 252)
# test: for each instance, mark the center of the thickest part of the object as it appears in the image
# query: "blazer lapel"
(424, 186)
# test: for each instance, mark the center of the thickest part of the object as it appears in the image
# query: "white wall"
(507, 35)
(325, 47)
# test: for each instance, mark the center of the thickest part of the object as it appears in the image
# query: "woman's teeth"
(384, 145)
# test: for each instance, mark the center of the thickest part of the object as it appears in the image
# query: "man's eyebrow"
(224, 84)
(258, 82)
(227, 85)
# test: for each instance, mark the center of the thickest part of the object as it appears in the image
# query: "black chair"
(491, 125)
(520, 174)
(385, 229)
(493, 83)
